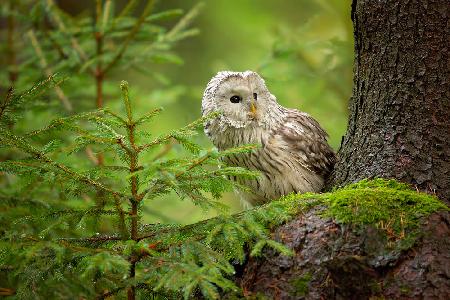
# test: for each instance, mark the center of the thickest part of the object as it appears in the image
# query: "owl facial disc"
(242, 97)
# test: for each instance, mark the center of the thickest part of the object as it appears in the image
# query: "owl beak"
(253, 108)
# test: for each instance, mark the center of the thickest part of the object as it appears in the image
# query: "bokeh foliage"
(303, 49)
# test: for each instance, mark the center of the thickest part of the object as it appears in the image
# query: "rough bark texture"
(399, 125)
(336, 262)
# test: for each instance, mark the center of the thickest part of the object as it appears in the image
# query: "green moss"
(386, 204)
(389, 205)
(405, 289)
(301, 284)
(375, 287)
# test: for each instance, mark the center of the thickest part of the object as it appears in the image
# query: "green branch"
(147, 10)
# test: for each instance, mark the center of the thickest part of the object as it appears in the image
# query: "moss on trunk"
(369, 239)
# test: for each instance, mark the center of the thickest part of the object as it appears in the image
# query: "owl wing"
(307, 140)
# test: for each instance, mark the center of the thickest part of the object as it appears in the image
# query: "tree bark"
(332, 261)
(399, 125)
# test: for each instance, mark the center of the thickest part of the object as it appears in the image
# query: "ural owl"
(294, 155)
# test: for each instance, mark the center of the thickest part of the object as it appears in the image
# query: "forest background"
(302, 48)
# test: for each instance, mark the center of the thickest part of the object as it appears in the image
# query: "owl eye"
(255, 96)
(235, 99)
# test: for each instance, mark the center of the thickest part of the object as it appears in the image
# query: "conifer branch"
(96, 239)
(66, 121)
(48, 71)
(83, 249)
(134, 182)
(127, 9)
(11, 51)
(7, 291)
(187, 130)
(121, 215)
(116, 116)
(91, 156)
(56, 45)
(185, 21)
(148, 116)
(106, 12)
(7, 101)
(115, 291)
(121, 143)
(110, 293)
(99, 73)
(196, 163)
(175, 33)
(117, 250)
(68, 173)
(60, 24)
(147, 10)
(155, 142)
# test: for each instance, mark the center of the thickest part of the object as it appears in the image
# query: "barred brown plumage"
(294, 155)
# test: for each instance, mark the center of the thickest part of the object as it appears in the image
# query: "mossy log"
(334, 261)
(375, 239)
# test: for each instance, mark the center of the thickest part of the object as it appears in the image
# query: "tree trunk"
(399, 125)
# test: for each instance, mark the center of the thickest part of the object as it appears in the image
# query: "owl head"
(241, 97)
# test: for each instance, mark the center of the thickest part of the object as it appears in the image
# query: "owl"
(293, 156)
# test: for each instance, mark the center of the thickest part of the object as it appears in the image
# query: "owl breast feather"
(294, 155)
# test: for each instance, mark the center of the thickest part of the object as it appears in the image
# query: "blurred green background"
(303, 48)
